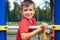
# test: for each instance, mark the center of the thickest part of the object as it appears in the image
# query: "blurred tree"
(38, 13)
(52, 9)
(15, 15)
(47, 5)
(8, 11)
(49, 11)
(35, 15)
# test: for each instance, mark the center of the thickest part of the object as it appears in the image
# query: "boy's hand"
(44, 25)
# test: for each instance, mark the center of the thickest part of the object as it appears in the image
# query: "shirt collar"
(25, 18)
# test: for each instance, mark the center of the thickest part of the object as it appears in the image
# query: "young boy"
(28, 11)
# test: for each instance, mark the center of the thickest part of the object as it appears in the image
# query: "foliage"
(40, 14)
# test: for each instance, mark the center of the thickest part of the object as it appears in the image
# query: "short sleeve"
(23, 27)
(34, 21)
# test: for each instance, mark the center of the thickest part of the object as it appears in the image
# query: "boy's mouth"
(28, 14)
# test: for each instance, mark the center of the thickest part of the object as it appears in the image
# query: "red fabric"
(24, 27)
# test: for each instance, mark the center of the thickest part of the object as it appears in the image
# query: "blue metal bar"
(2, 19)
(2, 12)
(57, 18)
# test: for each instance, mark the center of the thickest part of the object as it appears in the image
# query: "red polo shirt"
(24, 27)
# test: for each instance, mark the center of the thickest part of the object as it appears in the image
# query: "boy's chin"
(29, 17)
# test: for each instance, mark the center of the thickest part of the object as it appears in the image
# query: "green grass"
(11, 33)
(16, 23)
(14, 33)
(12, 23)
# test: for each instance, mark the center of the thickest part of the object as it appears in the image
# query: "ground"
(12, 37)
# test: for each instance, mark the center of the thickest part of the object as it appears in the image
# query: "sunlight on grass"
(16, 23)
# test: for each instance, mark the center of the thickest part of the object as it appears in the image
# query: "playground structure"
(3, 26)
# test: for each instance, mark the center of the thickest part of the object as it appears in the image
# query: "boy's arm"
(26, 36)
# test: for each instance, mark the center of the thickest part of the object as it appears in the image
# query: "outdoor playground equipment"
(3, 26)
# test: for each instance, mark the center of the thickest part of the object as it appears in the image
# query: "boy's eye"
(25, 10)
(30, 9)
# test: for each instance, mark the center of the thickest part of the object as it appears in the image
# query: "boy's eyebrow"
(25, 9)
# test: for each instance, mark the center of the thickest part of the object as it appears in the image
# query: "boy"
(28, 11)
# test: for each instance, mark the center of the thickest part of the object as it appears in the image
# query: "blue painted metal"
(57, 18)
(57, 12)
(2, 12)
(3, 35)
(57, 35)
(2, 19)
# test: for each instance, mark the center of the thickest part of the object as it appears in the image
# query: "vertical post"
(2, 19)
(57, 18)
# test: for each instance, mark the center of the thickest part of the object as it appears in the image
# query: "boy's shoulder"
(23, 21)
(26, 21)
(33, 19)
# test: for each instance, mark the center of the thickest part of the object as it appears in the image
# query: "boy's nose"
(28, 11)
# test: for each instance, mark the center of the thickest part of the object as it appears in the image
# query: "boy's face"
(28, 11)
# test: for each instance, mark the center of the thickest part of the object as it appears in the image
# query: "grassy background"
(16, 23)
